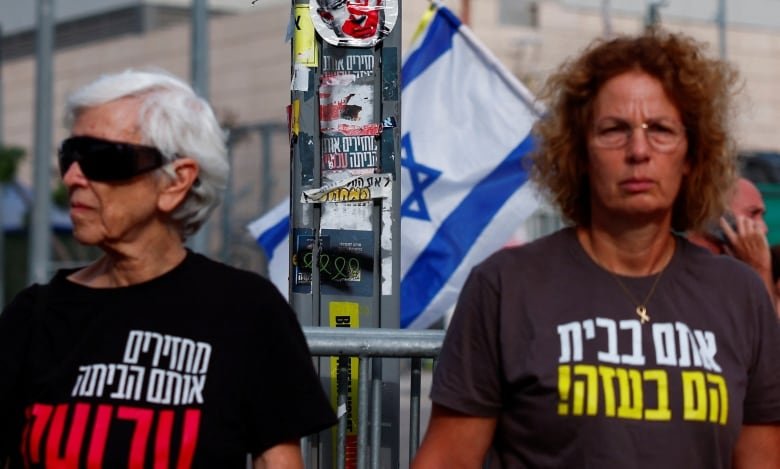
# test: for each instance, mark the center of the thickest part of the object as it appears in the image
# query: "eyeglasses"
(662, 135)
(104, 160)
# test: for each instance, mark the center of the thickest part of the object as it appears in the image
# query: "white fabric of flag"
(272, 233)
(467, 124)
(466, 129)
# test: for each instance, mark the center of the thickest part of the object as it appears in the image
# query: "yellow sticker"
(346, 314)
(304, 42)
(295, 117)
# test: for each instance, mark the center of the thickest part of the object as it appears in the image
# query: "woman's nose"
(73, 175)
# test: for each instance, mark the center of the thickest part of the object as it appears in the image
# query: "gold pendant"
(642, 312)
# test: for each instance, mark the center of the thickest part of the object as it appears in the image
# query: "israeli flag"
(272, 232)
(466, 123)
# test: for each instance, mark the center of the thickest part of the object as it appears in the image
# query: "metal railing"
(370, 345)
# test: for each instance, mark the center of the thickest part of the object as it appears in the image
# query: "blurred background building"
(249, 79)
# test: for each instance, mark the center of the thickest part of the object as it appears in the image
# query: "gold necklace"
(641, 307)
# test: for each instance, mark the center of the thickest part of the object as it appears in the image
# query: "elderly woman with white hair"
(152, 355)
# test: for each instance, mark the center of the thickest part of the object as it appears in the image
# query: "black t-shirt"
(199, 366)
(549, 343)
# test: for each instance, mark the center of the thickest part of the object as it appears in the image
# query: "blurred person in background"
(152, 354)
(742, 233)
(615, 342)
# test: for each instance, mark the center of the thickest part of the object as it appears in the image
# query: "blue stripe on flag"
(458, 233)
(273, 236)
(437, 41)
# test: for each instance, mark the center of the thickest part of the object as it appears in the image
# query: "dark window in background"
(760, 167)
(763, 168)
(94, 28)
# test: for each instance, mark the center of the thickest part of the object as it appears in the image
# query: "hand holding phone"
(716, 230)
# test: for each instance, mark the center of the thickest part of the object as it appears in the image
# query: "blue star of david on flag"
(467, 191)
(422, 176)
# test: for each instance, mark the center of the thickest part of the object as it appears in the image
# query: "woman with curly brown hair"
(614, 342)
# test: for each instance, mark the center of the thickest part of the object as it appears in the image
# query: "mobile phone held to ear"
(716, 231)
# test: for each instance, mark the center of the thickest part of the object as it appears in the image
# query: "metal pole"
(199, 69)
(342, 387)
(364, 383)
(653, 16)
(40, 238)
(414, 407)
(2, 186)
(606, 18)
(376, 411)
(722, 28)
(227, 202)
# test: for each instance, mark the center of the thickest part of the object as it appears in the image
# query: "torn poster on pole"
(353, 23)
(347, 105)
(358, 188)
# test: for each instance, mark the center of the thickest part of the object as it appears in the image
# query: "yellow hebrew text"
(632, 394)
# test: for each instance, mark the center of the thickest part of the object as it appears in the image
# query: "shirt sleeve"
(287, 400)
(762, 397)
(467, 377)
(15, 329)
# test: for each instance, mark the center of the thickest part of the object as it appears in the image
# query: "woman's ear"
(175, 189)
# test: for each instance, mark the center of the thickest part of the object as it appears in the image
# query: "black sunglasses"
(104, 160)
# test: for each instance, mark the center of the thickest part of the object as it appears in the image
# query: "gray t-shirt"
(547, 341)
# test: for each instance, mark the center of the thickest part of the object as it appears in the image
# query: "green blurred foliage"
(9, 161)
(60, 196)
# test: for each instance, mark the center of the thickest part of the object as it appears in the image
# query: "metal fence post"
(40, 230)
(370, 345)
(199, 70)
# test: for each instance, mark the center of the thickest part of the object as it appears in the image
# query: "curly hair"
(702, 89)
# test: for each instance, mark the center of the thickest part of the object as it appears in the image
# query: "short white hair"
(173, 119)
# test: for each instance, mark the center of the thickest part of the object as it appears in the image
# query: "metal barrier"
(369, 345)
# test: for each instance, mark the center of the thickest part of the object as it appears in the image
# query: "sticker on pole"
(347, 106)
(353, 23)
(360, 188)
(356, 154)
